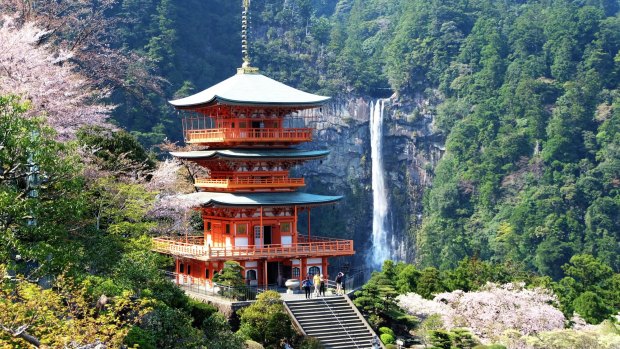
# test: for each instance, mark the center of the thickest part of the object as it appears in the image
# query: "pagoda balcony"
(194, 248)
(252, 135)
(249, 183)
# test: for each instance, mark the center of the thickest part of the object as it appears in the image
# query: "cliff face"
(410, 150)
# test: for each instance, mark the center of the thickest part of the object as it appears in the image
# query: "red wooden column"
(302, 268)
(259, 272)
(176, 270)
(324, 265)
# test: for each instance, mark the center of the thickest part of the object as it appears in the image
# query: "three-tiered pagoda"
(250, 205)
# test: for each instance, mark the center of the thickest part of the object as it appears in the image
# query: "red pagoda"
(249, 203)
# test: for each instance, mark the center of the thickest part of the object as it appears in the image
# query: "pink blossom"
(47, 81)
(493, 310)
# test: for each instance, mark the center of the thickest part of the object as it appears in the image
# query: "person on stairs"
(322, 286)
(317, 283)
(339, 278)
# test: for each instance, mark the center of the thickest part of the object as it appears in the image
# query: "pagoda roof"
(251, 154)
(259, 199)
(250, 89)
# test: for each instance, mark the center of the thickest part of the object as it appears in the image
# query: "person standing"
(322, 286)
(317, 283)
(339, 283)
(306, 284)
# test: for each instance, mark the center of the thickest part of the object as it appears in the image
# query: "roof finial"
(245, 67)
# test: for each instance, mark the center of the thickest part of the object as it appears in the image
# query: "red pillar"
(259, 272)
(176, 270)
(324, 267)
(302, 268)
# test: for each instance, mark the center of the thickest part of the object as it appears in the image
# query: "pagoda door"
(258, 241)
(267, 235)
(265, 239)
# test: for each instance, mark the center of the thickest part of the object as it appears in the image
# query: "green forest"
(524, 93)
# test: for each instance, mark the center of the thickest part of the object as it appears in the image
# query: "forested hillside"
(520, 100)
(523, 92)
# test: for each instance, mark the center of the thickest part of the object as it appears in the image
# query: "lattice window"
(314, 270)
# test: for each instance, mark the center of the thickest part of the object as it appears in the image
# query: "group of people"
(318, 284)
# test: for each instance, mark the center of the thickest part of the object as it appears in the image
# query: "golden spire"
(245, 51)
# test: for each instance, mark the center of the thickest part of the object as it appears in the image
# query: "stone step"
(333, 321)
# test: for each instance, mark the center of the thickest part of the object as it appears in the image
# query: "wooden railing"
(220, 135)
(249, 182)
(329, 247)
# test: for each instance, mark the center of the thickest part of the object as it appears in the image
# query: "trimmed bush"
(387, 338)
(387, 330)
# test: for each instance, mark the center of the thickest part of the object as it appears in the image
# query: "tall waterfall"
(380, 243)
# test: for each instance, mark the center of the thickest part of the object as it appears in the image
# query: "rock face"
(410, 151)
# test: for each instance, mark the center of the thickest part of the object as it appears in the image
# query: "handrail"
(248, 181)
(340, 323)
(168, 245)
(248, 134)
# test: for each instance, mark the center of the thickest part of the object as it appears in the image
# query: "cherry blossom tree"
(492, 310)
(172, 208)
(47, 81)
(88, 30)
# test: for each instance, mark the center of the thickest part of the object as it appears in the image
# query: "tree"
(265, 320)
(219, 334)
(591, 307)
(47, 81)
(30, 315)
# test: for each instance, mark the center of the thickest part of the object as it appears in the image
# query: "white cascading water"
(380, 243)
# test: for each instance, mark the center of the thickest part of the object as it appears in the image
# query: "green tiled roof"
(259, 199)
(252, 154)
(251, 89)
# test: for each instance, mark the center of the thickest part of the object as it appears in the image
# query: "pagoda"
(246, 129)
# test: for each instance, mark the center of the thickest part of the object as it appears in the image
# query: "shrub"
(391, 346)
(440, 339)
(200, 311)
(387, 330)
(387, 338)
(141, 338)
(265, 321)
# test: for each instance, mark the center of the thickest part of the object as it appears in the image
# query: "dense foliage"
(529, 109)
(525, 93)
(75, 265)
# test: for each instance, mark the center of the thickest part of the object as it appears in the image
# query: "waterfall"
(380, 243)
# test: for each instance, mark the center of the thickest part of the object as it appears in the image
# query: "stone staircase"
(334, 321)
